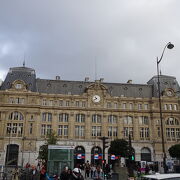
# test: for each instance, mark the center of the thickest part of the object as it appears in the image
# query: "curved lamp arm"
(169, 45)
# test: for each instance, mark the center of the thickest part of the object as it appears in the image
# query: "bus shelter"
(58, 158)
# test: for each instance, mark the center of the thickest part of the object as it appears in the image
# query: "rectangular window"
(30, 128)
(60, 102)
(165, 107)
(45, 129)
(128, 120)
(49, 129)
(128, 131)
(80, 118)
(83, 104)
(51, 103)
(77, 103)
(175, 107)
(67, 103)
(63, 117)
(60, 130)
(159, 132)
(112, 131)
(108, 105)
(44, 103)
(115, 105)
(146, 106)
(11, 100)
(49, 117)
(139, 106)
(143, 120)
(96, 131)
(170, 107)
(63, 130)
(144, 132)
(79, 131)
(130, 106)
(124, 105)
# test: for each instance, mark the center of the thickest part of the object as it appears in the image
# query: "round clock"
(96, 98)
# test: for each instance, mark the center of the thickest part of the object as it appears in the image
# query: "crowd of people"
(90, 171)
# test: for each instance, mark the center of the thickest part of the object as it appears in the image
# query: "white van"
(161, 176)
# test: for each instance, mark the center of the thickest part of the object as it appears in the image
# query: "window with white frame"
(170, 107)
(144, 132)
(79, 131)
(96, 131)
(175, 107)
(14, 129)
(63, 130)
(16, 116)
(96, 118)
(116, 105)
(112, 119)
(44, 102)
(139, 106)
(130, 106)
(67, 103)
(165, 107)
(143, 120)
(77, 103)
(63, 117)
(128, 119)
(108, 105)
(172, 121)
(47, 117)
(80, 118)
(146, 106)
(128, 131)
(61, 103)
(83, 104)
(112, 131)
(124, 105)
(46, 129)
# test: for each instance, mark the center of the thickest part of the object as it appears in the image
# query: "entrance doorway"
(12, 155)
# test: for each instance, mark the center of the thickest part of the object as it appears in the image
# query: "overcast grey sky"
(112, 39)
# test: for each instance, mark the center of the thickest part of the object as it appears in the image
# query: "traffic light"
(132, 158)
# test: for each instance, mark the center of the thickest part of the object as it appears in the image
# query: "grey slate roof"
(166, 82)
(78, 87)
(28, 75)
(20, 73)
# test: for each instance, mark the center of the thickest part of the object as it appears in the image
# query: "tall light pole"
(169, 46)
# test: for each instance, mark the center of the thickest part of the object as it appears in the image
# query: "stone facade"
(81, 111)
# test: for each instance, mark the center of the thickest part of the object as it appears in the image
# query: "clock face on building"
(96, 98)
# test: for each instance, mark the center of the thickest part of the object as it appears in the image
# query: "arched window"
(63, 117)
(96, 118)
(128, 120)
(145, 154)
(112, 119)
(16, 116)
(80, 118)
(172, 121)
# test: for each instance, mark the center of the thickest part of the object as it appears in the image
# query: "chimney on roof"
(101, 79)
(86, 79)
(58, 78)
(129, 81)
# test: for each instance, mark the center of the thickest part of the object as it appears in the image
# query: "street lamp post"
(169, 46)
